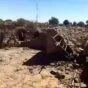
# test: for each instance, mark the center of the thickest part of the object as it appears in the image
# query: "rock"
(76, 80)
(59, 64)
(36, 71)
(83, 85)
(70, 65)
(67, 72)
(58, 75)
(45, 73)
(80, 85)
(1, 60)
(75, 66)
(77, 85)
(52, 64)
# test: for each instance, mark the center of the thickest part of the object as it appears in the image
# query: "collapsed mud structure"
(51, 41)
(48, 40)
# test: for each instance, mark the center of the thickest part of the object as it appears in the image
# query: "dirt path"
(13, 74)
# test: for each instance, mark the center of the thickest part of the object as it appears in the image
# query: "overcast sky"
(73, 10)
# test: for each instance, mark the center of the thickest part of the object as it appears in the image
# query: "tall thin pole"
(37, 11)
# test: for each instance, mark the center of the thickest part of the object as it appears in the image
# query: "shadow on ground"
(84, 74)
(43, 59)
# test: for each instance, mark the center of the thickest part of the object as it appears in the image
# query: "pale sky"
(73, 10)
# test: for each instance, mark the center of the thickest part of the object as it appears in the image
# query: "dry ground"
(13, 74)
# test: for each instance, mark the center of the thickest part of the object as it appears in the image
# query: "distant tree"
(87, 22)
(81, 24)
(1, 23)
(21, 22)
(8, 24)
(54, 21)
(31, 25)
(66, 23)
(74, 24)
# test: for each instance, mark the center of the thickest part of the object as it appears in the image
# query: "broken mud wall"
(39, 42)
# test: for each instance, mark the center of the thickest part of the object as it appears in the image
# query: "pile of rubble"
(72, 42)
(16, 73)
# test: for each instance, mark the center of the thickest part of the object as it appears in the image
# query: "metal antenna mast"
(37, 11)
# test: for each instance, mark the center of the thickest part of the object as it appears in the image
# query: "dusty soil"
(15, 74)
(28, 68)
